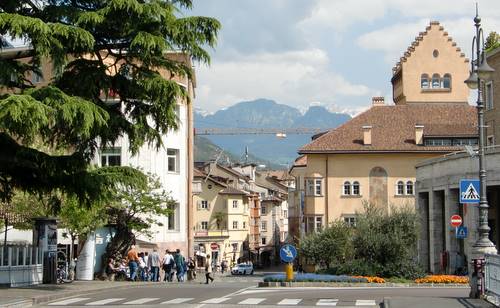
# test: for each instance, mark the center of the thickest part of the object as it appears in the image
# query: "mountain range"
(265, 113)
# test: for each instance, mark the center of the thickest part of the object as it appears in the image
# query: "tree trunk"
(119, 245)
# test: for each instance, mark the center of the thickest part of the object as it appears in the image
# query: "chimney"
(419, 134)
(367, 135)
(378, 101)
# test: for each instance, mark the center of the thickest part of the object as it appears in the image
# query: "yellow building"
(372, 157)
(221, 218)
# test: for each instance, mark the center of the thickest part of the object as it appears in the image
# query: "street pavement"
(242, 291)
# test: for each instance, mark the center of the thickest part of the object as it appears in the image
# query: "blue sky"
(336, 53)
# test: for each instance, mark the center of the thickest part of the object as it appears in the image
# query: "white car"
(242, 269)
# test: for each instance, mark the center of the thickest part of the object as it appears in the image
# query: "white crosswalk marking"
(327, 302)
(290, 301)
(68, 301)
(104, 301)
(252, 301)
(364, 302)
(141, 301)
(179, 300)
(216, 300)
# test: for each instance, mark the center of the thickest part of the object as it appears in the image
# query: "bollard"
(289, 271)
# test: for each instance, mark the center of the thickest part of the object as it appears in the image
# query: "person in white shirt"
(168, 265)
(208, 270)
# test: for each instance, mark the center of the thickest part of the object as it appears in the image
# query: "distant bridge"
(278, 132)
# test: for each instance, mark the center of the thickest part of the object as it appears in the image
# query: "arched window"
(347, 188)
(436, 81)
(400, 188)
(424, 81)
(355, 188)
(447, 81)
(409, 188)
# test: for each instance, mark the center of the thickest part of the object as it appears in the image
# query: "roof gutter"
(377, 151)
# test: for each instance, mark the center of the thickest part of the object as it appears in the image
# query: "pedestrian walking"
(180, 264)
(142, 267)
(133, 261)
(223, 266)
(191, 269)
(208, 270)
(168, 265)
(154, 265)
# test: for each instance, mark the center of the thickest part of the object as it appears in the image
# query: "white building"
(173, 164)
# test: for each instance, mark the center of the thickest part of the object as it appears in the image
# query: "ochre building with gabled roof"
(372, 157)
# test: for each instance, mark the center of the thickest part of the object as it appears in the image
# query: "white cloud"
(293, 77)
(394, 39)
(340, 15)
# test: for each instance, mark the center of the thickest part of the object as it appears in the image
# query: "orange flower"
(372, 279)
(443, 279)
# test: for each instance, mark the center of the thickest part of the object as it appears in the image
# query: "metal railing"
(20, 255)
(492, 276)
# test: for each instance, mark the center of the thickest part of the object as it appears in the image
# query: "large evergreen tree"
(96, 47)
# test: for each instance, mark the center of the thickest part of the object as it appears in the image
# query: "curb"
(358, 284)
(28, 302)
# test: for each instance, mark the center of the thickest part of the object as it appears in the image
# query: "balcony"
(211, 233)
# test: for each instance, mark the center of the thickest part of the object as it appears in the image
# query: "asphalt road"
(242, 292)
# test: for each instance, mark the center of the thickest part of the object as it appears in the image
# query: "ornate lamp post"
(480, 72)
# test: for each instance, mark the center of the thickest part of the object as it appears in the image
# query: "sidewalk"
(27, 296)
(441, 302)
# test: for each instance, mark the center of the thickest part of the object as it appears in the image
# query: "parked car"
(242, 269)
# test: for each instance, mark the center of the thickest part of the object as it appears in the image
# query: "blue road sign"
(461, 232)
(469, 191)
(288, 253)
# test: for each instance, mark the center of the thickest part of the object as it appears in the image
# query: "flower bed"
(314, 278)
(443, 279)
(372, 279)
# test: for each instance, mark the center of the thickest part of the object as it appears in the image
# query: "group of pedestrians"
(145, 266)
(175, 263)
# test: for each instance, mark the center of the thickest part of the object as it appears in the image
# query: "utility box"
(45, 238)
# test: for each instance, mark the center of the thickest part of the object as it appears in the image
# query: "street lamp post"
(480, 72)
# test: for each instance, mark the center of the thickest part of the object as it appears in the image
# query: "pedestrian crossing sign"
(469, 191)
(461, 232)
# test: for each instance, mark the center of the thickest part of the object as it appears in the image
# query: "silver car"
(242, 269)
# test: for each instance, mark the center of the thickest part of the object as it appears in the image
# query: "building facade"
(372, 157)
(437, 190)
(172, 163)
(253, 204)
(221, 217)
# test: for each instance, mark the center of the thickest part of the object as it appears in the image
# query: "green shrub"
(381, 244)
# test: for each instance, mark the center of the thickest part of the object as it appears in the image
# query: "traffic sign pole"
(289, 271)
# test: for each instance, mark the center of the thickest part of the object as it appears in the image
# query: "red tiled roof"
(198, 173)
(232, 191)
(300, 161)
(393, 129)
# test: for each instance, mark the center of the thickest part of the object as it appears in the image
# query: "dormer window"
(436, 81)
(447, 81)
(424, 81)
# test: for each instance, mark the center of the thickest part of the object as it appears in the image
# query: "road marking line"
(69, 301)
(216, 300)
(290, 301)
(363, 302)
(104, 302)
(252, 301)
(327, 302)
(141, 301)
(256, 291)
(179, 300)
